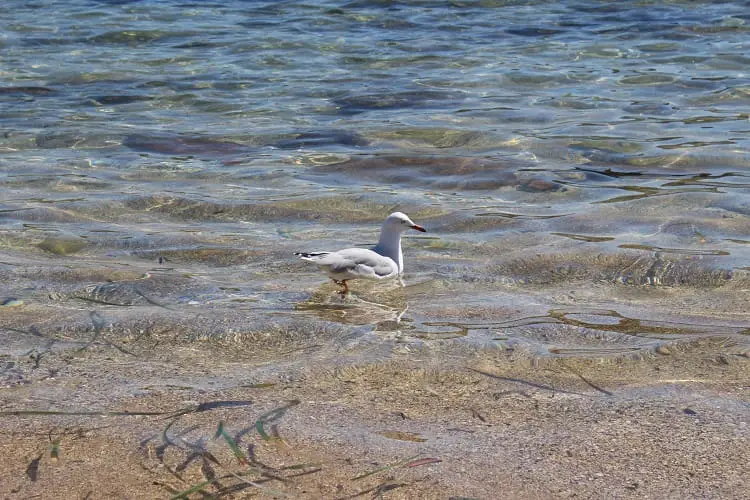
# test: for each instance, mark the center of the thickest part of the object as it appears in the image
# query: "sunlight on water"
(162, 162)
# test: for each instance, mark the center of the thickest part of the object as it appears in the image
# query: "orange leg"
(343, 284)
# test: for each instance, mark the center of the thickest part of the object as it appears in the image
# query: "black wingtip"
(310, 254)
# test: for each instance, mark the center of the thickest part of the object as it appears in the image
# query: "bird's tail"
(310, 255)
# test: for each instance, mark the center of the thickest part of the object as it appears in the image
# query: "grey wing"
(359, 261)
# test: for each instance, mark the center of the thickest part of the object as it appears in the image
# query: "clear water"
(582, 169)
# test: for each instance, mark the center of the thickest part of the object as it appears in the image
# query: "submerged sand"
(428, 423)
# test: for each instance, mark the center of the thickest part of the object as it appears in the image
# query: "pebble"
(12, 303)
(540, 186)
(662, 349)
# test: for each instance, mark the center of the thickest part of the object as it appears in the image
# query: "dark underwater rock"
(398, 100)
(321, 138)
(179, 145)
(461, 173)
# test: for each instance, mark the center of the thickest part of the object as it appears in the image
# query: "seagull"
(385, 260)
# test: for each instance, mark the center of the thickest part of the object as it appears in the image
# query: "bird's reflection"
(381, 307)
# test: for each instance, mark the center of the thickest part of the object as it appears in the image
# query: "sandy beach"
(141, 422)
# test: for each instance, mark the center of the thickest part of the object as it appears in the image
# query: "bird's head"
(401, 222)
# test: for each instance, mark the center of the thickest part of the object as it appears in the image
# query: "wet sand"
(493, 424)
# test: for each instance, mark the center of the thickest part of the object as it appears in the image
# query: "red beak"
(419, 228)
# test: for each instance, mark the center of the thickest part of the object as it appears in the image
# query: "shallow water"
(583, 172)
